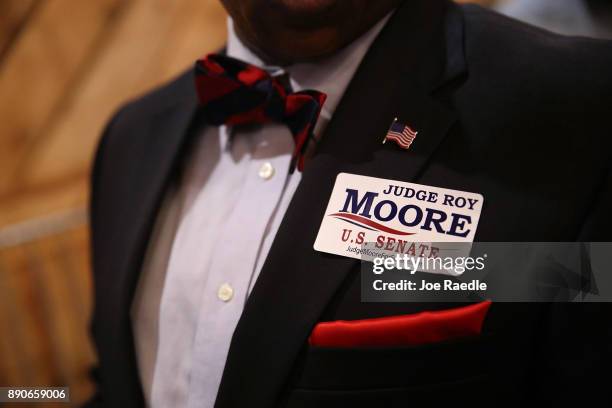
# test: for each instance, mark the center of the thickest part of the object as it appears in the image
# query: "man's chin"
(315, 45)
(308, 14)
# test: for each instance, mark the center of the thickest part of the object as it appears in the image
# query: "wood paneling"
(46, 58)
(13, 16)
(44, 307)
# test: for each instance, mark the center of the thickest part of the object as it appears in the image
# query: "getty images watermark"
(499, 271)
(454, 266)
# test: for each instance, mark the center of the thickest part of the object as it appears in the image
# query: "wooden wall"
(65, 66)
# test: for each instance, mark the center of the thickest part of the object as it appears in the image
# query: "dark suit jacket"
(515, 113)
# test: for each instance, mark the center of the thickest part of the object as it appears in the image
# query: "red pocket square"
(407, 330)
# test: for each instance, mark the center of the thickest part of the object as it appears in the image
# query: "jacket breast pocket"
(450, 371)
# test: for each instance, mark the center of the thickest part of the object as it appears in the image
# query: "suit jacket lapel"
(395, 79)
(158, 161)
(157, 152)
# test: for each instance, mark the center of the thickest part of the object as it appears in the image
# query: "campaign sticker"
(395, 216)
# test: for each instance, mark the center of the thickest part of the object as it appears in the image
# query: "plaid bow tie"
(233, 92)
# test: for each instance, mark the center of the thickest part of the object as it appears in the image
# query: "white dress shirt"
(213, 234)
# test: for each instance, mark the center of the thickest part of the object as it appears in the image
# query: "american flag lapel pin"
(402, 134)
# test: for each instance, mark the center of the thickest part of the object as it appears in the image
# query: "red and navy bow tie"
(233, 92)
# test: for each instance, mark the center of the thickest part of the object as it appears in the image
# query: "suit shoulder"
(129, 130)
(179, 90)
(530, 71)
(525, 80)
(131, 121)
(497, 39)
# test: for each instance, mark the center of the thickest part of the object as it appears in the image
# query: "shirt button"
(225, 292)
(266, 171)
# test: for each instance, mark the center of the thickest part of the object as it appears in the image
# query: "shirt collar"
(331, 75)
